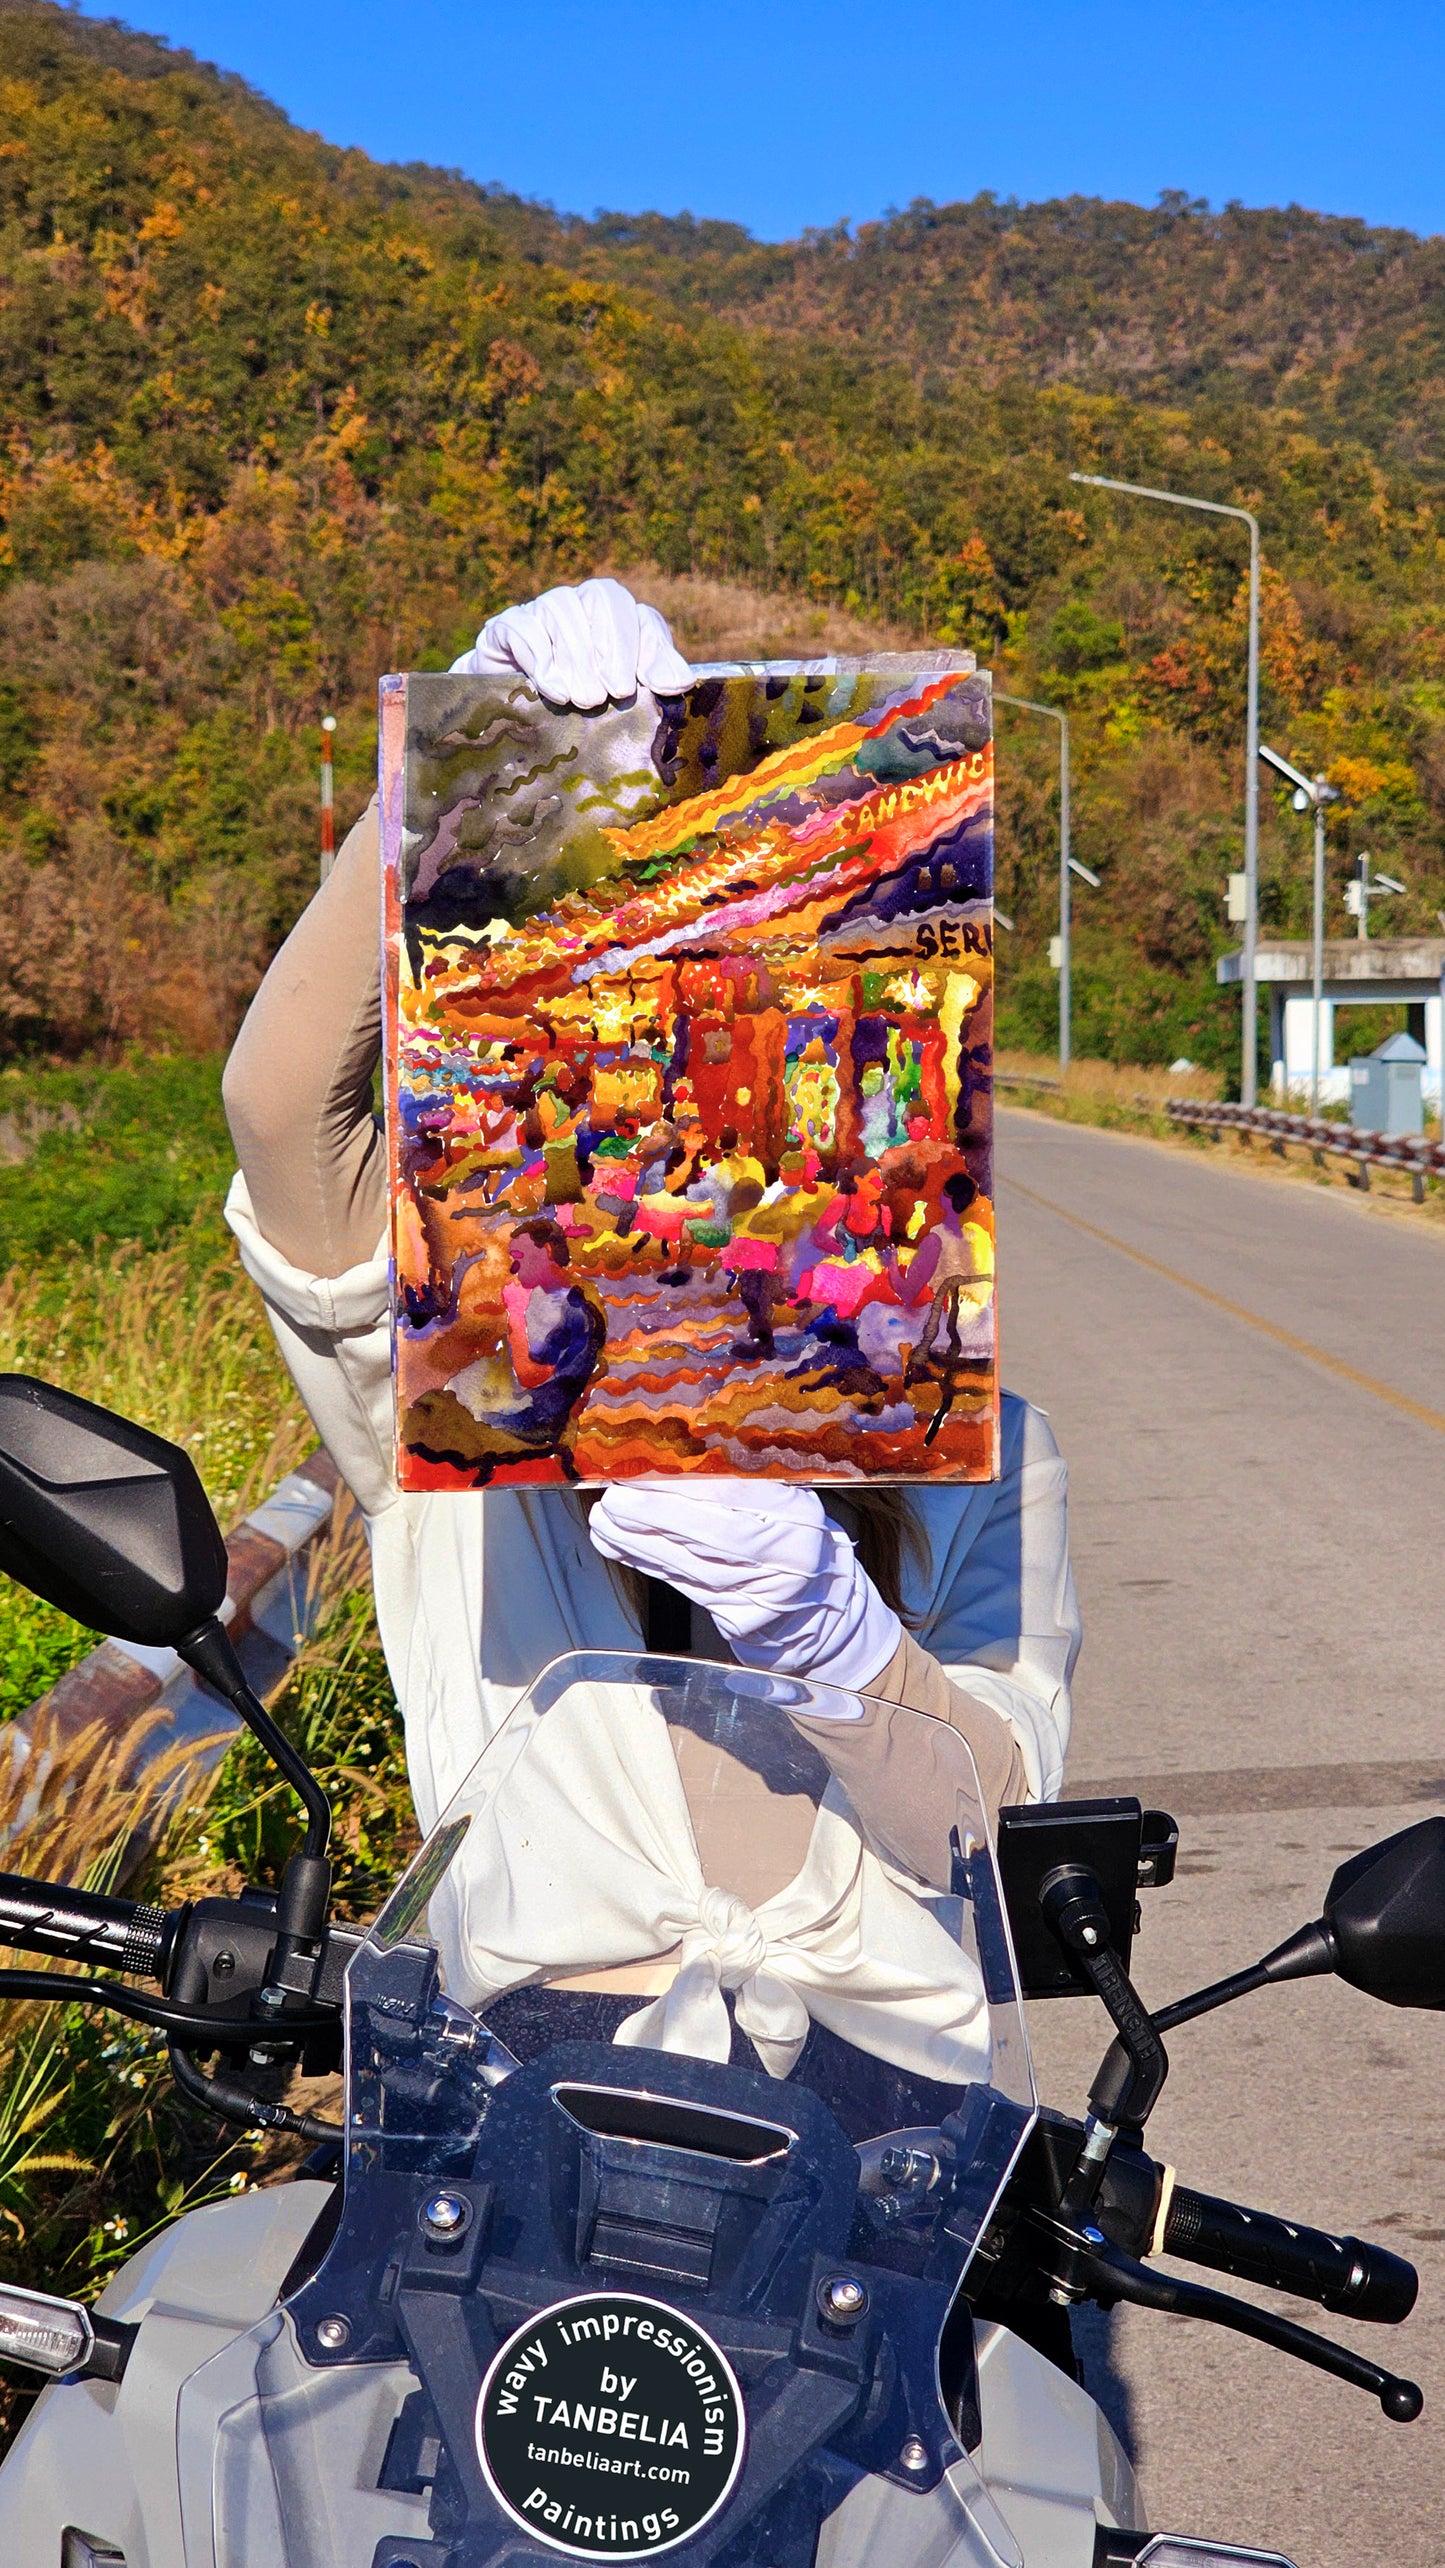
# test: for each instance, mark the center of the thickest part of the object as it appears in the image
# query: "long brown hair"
(885, 1533)
(880, 1524)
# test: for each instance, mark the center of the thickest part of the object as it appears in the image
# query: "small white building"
(1371, 971)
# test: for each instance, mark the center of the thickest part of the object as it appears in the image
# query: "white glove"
(781, 1583)
(580, 646)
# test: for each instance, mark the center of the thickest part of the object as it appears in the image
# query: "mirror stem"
(1306, 1955)
(209, 1652)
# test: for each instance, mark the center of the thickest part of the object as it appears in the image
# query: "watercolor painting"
(688, 1077)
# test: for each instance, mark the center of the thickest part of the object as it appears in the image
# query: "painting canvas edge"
(392, 746)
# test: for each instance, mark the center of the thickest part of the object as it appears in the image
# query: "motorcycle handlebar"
(1346, 2275)
(87, 1926)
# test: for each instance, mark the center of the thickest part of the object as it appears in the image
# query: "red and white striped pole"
(328, 805)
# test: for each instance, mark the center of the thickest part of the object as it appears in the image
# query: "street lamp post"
(1054, 713)
(1217, 508)
(1311, 793)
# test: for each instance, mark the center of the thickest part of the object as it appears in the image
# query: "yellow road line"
(1425, 1417)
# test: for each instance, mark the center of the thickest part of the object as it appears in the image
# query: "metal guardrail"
(1055, 1087)
(1409, 1152)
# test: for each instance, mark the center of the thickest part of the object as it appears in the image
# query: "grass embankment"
(118, 1279)
(1120, 1097)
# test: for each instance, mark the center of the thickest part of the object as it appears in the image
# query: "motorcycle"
(691, 2192)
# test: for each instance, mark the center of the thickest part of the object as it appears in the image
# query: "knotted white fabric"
(581, 1855)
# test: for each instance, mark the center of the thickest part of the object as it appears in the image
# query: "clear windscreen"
(702, 1861)
(700, 1987)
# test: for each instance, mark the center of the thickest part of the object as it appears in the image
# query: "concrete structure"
(1369, 971)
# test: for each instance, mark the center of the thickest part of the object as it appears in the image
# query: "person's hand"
(782, 1584)
(581, 647)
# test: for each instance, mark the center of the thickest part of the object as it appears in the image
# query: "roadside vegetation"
(118, 1278)
(97, 2151)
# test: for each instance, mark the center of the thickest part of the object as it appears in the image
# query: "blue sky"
(778, 116)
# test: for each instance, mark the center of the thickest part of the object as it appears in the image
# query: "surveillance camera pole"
(1217, 508)
(1054, 713)
(1311, 793)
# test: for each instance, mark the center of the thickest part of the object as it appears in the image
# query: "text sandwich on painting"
(689, 1094)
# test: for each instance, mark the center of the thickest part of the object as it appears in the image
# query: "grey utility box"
(1385, 1087)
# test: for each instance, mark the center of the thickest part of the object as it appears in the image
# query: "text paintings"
(689, 1041)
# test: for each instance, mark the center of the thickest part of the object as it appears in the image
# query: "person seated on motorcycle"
(953, 1600)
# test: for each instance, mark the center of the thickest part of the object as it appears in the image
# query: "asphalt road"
(1248, 1379)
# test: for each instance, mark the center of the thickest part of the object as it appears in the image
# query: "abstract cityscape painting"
(688, 1077)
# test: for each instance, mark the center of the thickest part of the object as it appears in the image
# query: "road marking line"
(1417, 1409)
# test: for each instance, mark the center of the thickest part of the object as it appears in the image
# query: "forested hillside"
(1336, 323)
(276, 418)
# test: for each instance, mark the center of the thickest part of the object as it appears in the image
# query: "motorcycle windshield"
(674, 1857)
(697, 2006)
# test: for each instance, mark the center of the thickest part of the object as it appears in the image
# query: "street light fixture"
(1218, 508)
(1067, 864)
(1311, 793)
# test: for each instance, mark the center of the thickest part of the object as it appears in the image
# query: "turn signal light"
(60, 2337)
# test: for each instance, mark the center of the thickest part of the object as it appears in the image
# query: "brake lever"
(1090, 2268)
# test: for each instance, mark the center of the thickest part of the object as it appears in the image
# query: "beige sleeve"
(900, 1776)
(914, 1677)
(297, 1087)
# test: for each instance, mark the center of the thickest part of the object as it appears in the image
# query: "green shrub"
(1080, 638)
(137, 1152)
(1122, 1012)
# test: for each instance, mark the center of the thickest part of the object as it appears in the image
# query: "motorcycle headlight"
(51, 2335)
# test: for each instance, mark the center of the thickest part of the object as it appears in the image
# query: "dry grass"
(180, 1344)
(173, 1337)
(1099, 1092)
(335, 1702)
(724, 620)
(96, 2154)
(70, 1805)
(1112, 1084)
(73, 2086)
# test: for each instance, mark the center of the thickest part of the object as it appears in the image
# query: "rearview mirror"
(104, 1519)
(1385, 1916)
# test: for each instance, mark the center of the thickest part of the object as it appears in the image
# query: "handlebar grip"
(86, 1926)
(1346, 2275)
